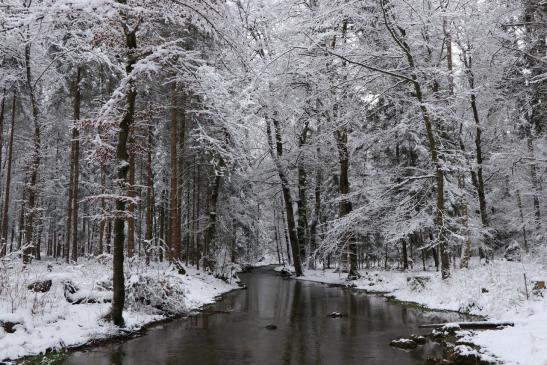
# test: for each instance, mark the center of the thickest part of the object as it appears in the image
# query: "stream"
(233, 330)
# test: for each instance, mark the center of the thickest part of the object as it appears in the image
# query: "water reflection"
(305, 334)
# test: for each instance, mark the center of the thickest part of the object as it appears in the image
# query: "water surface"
(304, 335)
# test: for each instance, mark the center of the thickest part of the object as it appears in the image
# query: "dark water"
(305, 334)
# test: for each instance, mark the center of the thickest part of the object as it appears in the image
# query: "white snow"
(495, 290)
(48, 321)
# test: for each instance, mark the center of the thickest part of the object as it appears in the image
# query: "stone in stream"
(271, 326)
(404, 343)
(420, 340)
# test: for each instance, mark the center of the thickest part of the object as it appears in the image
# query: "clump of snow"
(52, 320)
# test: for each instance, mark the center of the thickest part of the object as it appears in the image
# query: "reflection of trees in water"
(116, 357)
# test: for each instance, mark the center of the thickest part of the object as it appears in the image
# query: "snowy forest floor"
(495, 291)
(71, 312)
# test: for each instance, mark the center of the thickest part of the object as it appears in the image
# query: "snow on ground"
(496, 291)
(39, 321)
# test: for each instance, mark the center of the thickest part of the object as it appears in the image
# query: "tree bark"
(5, 210)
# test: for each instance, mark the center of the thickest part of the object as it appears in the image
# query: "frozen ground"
(37, 321)
(496, 291)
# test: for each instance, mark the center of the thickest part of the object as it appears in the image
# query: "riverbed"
(234, 330)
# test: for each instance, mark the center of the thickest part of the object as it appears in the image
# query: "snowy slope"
(48, 321)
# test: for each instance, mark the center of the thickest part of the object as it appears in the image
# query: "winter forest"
(212, 157)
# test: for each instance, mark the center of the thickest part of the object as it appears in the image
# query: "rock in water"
(420, 340)
(404, 343)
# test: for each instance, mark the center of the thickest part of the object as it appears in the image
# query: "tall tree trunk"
(102, 223)
(405, 254)
(122, 156)
(285, 187)
(317, 207)
(5, 210)
(212, 207)
(302, 226)
(285, 232)
(478, 140)
(174, 239)
(149, 198)
(2, 109)
(180, 173)
(522, 221)
(345, 207)
(131, 207)
(536, 185)
(32, 188)
(76, 162)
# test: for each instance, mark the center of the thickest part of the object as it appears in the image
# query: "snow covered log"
(469, 325)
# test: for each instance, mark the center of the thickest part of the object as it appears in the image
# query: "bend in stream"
(233, 331)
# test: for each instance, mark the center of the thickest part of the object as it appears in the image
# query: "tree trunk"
(2, 109)
(174, 240)
(213, 200)
(76, 163)
(149, 198)
(302, 199)
(5, 210)
(345, 207)
(405, 255)
(522, 221)
(122, 156)
(32, 189)
(478, 141)
(285, 187)
(131, 207)
(102, 223)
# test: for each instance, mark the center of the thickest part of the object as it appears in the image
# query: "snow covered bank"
(70, 312)
(496, 291)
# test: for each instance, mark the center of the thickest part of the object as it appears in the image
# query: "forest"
(152, 150)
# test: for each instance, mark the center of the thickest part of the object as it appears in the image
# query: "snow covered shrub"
(225, 270)
(513, 252)
(104, 259)
(164, 292)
